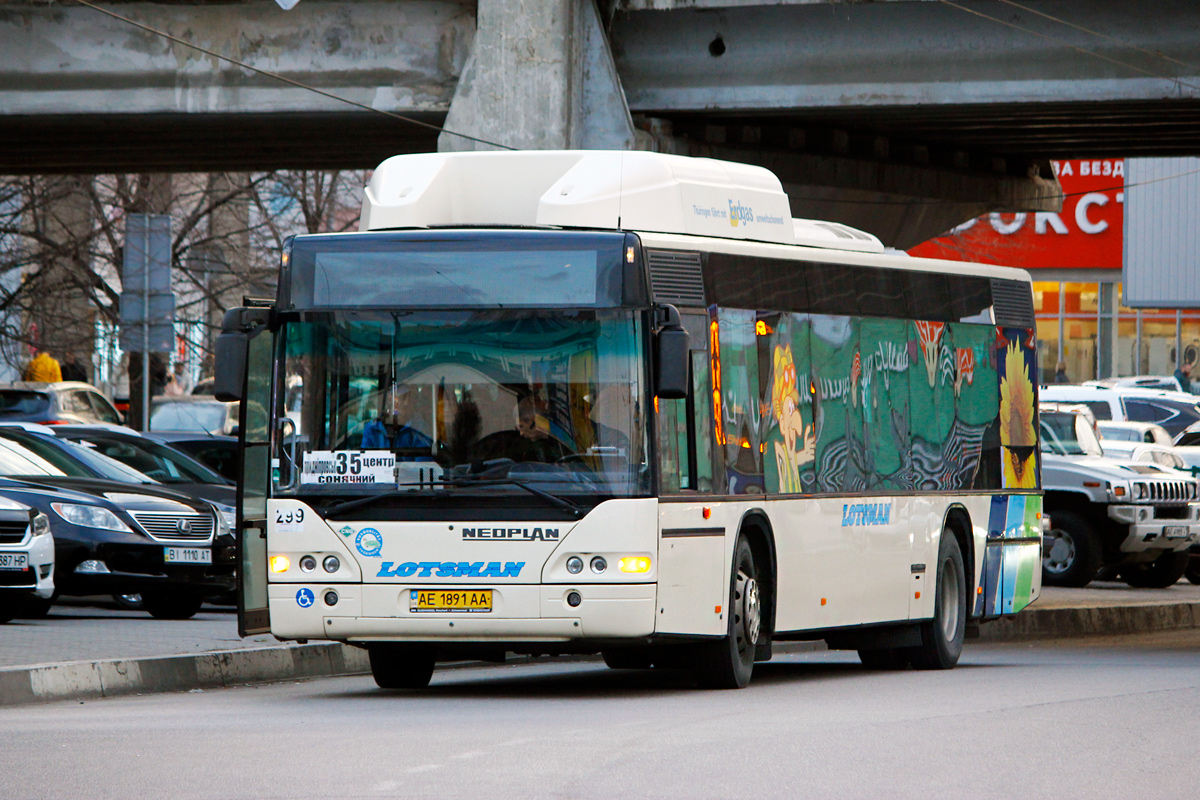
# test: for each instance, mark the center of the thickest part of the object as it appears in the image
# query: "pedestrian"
(44, 368)
(1184, 375)
(1060, 373)
(72, 370)
(183, 381)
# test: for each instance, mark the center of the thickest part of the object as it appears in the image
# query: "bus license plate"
(442, 601)
(14, 560)
(1175, 531)
(187, 555)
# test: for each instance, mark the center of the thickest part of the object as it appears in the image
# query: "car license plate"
(1175, 531)
(442, 601)
(187, 555)
(14, 560)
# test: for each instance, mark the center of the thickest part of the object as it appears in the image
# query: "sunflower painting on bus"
(1018, 408)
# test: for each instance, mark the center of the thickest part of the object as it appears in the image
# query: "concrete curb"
(83, 680)
(111, 678)
(1057, 623)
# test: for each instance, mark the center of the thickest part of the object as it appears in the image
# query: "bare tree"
(62, 246)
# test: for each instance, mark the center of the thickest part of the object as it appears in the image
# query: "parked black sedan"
(150, 457)
(219, 453)
(120, 538)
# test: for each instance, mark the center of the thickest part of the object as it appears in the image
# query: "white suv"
(1174, 411)
(26, 557)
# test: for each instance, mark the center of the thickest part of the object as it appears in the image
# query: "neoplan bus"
(580, 402)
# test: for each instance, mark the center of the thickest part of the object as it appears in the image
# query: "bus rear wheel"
(729, 662)
(401, 666)
(942, 637)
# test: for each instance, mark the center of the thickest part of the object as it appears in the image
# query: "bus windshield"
(488, 401)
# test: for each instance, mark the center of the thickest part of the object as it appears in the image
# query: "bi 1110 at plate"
(187, 555)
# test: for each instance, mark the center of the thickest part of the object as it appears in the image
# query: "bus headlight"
(574, 565)
(636, 565)
(599, 564)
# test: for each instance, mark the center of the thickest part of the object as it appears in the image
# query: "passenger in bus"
(393, 428)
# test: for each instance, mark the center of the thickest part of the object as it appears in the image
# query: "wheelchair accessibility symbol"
(305, 598)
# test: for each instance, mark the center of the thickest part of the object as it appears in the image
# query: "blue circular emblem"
(369, 542)
(305, 598)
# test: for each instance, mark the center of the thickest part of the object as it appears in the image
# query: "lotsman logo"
(867, 514)
(450, 569)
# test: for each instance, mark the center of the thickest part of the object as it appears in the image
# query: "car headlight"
(1140, 491)
(90, 517)
(40, 524)
(226, 518)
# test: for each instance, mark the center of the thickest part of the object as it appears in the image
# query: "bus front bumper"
(537, 613)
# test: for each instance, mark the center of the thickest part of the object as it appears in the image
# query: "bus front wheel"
(942, 637)
(729, 662)
(399, 666)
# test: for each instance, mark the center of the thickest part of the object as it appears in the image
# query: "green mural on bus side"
(885, 401)
(878, 405)
(740, 414)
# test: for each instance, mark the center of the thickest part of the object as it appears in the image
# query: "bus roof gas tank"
(595, 189)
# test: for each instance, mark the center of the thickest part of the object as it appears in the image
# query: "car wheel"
(34, 607)
(397, 666)
(178, 603)
(1071, 552)
(129, 602)
(1192, 573)
(942, 637)
(1164, 571)
(729, 662)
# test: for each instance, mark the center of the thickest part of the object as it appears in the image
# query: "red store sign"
(1086, 233)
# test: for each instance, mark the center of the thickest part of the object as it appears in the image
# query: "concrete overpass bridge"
(899, 116)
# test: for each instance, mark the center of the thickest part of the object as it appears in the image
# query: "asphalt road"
(1084, 718)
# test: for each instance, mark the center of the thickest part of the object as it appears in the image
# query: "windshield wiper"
(554, 500)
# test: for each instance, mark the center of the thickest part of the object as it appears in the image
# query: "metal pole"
(146, 328)
(1138, 369)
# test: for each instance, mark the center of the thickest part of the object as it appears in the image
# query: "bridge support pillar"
(540, 77)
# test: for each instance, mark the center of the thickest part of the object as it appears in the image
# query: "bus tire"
(729, 662)
(1072, 554)
(884, 658)
(1164, 571)
(400, 666)
(628, 658)
(942, 637)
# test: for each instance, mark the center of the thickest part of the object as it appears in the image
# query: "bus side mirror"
(229, 382)
(671, 356)
(239, 326)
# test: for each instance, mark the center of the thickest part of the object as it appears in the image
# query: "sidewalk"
(82, 651)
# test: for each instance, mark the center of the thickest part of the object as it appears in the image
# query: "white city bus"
(581, 402)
